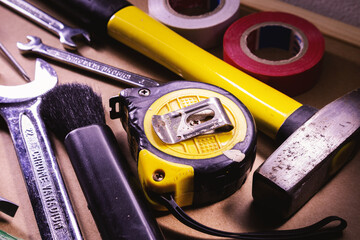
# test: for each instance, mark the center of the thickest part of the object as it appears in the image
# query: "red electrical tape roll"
(250, 44)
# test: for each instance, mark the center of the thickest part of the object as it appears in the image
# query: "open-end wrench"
(19, 106)
(65, 32)
(35, 45)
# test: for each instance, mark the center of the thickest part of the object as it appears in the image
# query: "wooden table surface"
(341, 196)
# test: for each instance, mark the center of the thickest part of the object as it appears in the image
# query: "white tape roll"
(203, 22)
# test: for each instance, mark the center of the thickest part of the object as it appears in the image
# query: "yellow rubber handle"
(136, 29)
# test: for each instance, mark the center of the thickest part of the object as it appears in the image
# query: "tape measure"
(203, 164)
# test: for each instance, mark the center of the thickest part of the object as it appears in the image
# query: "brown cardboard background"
(341, 196)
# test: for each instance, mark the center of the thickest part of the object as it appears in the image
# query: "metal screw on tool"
(144, 92)
(159, 175)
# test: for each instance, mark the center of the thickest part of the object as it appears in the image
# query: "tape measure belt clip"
(205, 117)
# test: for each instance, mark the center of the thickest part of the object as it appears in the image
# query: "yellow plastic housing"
(136, 29)
(342, 156)
(177, 179)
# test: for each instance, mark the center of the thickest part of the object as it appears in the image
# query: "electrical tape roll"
(280, 49)
(202, 22)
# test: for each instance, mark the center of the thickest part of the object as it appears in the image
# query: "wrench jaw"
(45, 80)
(68, 34)
(33, 42)
(48, 22)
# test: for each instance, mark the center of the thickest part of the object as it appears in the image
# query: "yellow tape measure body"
(203, 169)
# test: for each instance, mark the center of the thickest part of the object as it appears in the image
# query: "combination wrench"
(19, 106)
(35, 45)
(48, 22)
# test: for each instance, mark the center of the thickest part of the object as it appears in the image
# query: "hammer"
(19, 106)
(309, 157)
(276, 114)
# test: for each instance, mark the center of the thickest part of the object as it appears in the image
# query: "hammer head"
(309, 157)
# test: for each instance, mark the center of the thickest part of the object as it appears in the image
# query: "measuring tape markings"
(203, 22)
(292, 73)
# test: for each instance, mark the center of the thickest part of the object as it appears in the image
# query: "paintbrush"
(74, 112)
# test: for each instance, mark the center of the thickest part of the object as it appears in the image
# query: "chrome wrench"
(53, 25)
(19, 106)
(35, 45)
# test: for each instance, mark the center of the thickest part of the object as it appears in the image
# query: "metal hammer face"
(309, 157)
(19, 107)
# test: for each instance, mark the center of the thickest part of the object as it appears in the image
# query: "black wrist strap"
(315, 231)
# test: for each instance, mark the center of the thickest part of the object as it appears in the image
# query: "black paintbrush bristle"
(70, 106)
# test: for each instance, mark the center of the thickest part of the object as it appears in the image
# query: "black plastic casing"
(94, 14)
(294, 121)
(113, 194)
